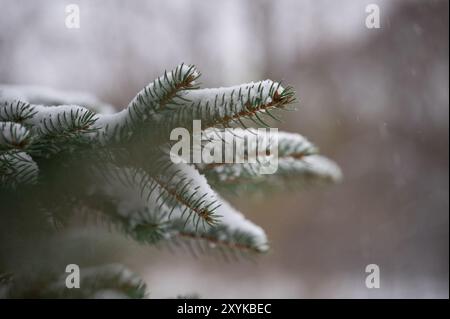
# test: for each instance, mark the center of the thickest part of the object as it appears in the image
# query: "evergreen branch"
(17, 168)
(41, 95)
(156, 229)
(255, 144)
(13, 136)
(68, 123)
(139, 206)
(254, 106)
(123, 174)
(292, 173)
(175, 189)
(240, 242)
(225, 107)
(296, 159)
(16, 111)
(190, 202)
(66, 128)
(108, 281)
(144, 226)
(233, 230)
(187, 190)
(148, 104)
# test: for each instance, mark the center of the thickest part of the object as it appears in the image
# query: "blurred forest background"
(375, 100)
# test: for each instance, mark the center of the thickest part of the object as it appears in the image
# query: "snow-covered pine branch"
(299, 164)
(13, 136)
(225, 107)
(74, 153)
(41, 95)
(180, 205)
(144, 111)
(17, 168)
(112, 281)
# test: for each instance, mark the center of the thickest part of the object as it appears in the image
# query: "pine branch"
(13, 136)
(178, 188)
(140, 209)
(17, 168)
(312, 170)
(233, 230)
(254, 144)
(108, 281)
(145, 109)
(16, 111)
(117, 165)
(241, 242)
(64, 128)
(225, 107)
(188, 191)
(296, 158)
(41, 95)
(53, 129)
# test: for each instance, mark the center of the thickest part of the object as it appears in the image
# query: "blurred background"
(374, 100)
